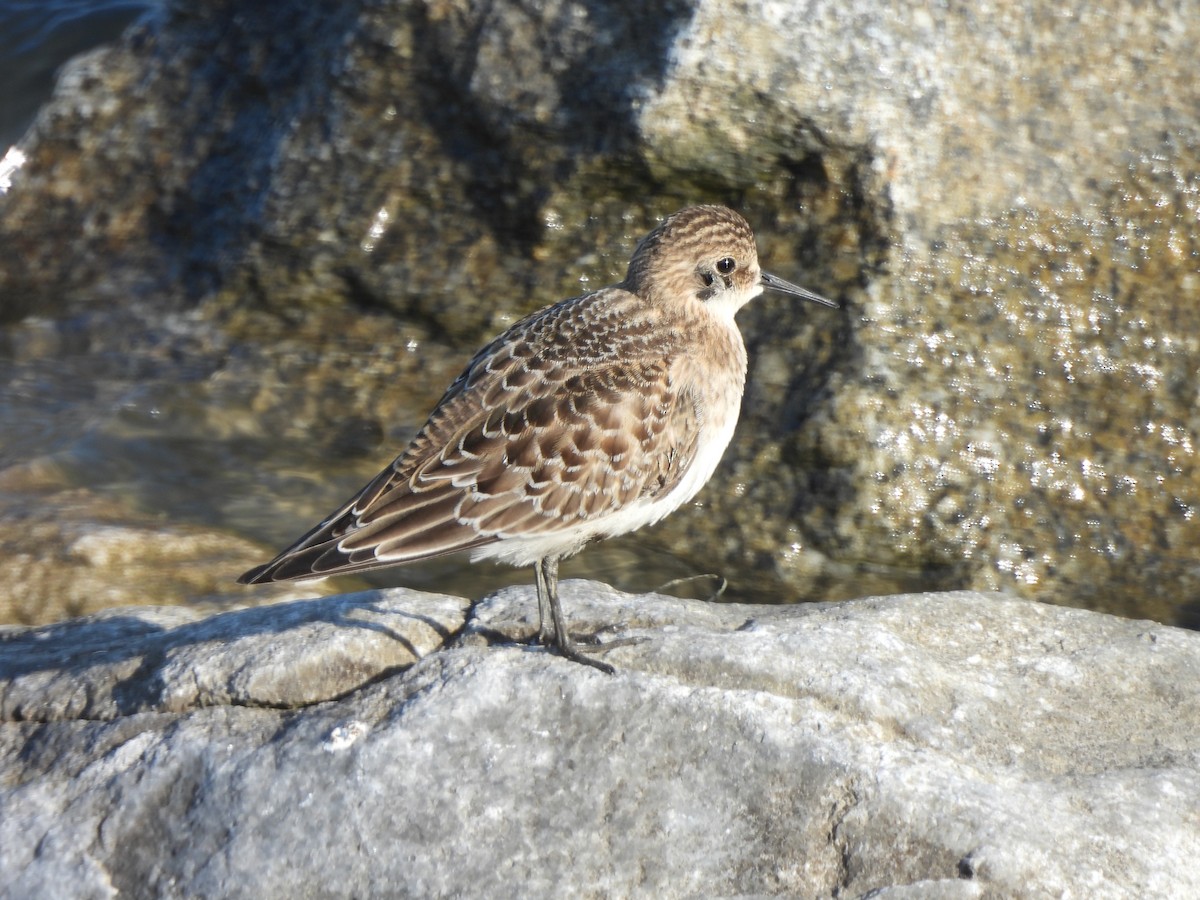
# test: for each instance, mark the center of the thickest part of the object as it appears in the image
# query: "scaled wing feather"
(530, 439)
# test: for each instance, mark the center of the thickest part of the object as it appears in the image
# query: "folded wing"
(546, 433)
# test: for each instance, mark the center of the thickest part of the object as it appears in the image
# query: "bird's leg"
(546, 573)
(545, 616)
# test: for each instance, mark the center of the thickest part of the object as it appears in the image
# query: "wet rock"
(69, 552)
(955, 745)
(36, 38)
(1005, 402)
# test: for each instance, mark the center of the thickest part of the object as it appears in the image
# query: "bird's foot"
(569, 649)
(596, 644)
(572, 651)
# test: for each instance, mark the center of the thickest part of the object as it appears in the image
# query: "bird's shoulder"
(606, 337)
(594, 329)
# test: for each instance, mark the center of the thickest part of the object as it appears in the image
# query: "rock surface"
(954, 745)
(229, 208)
(165, 659)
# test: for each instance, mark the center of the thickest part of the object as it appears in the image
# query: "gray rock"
(1004, 198)
(126, 661)
(954, 745)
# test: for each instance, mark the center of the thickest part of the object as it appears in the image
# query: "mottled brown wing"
(568, 416)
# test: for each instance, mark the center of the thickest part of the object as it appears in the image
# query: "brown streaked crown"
(669, 260)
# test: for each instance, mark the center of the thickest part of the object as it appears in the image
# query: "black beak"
(772, 283)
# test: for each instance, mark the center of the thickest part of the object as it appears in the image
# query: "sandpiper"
(589, 419)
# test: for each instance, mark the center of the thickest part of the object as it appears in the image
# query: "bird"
(591, 418)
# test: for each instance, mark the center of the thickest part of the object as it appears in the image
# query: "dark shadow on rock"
(592, 60)
(259, 67)
(85, 643)
(76, 643)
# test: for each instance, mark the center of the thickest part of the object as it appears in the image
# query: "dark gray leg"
(545, 616)
(546, 572)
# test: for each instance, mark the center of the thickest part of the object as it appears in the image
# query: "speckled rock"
(948, 746)
(1006, 401)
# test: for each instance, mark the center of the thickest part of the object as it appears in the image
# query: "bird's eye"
(726, 265)
(707, 278)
